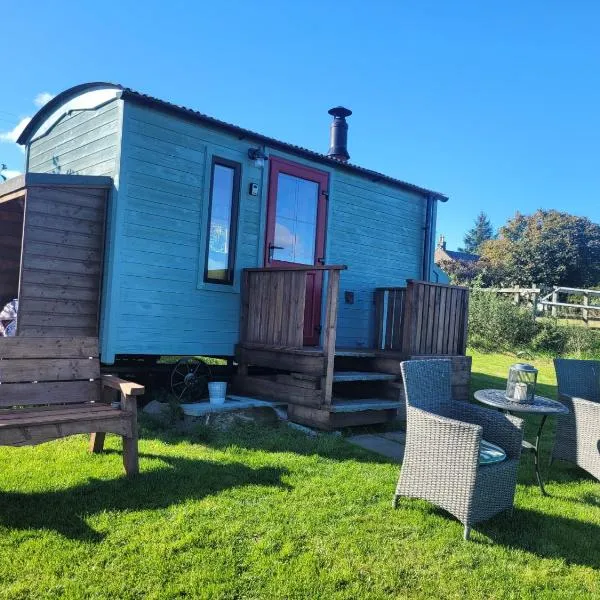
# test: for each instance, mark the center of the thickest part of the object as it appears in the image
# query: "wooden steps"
(343, 405)
(364, 388)
(356, 376)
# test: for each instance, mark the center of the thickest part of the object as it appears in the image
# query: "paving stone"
(380, 445)
(395, 436)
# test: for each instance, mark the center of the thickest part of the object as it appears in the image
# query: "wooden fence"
(389, 313)
(422, 319)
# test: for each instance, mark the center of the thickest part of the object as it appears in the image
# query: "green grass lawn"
(268, 513)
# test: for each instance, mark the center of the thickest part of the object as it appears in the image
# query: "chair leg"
(467, 533)
(395, 500)
(130, 456)
(97, 442)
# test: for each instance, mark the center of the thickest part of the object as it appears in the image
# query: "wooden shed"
(222, 241)
(52, 240)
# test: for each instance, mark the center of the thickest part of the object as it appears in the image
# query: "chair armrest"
(127, 388)
(504, 430)
(445, 445)
(574, 402)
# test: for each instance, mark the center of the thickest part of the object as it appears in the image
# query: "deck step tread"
(342, 405)
(340, 376)
(349, 352)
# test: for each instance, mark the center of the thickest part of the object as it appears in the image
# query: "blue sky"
(496, 104)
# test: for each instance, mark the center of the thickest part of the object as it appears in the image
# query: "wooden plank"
(399, 318)
(56, 207)
(48, 369)
(439, 321)
(297, 304)
(25, 436)
(282, 360)
(62, 265)
(389, 320)
(42, 331)
(89, 198)
(63, 238)
(16, 347)
(464, 333)
(324, 419)
(57, 292)
(42, 319)
(126, 388)
(64, 392)
(310, 383)
(64, 252)
(378, 299)
(329, 334)
(36, 219)
(431, 317)
(52, 413)
(451, 321)
(244, 289)
(263, 387)
(286, 296)
(60, 307)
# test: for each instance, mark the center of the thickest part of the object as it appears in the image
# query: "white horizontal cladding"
(87, 101)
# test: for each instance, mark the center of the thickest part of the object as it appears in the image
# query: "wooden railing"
(435, 319)
(389, 313)
(422, 319)
(273, 304)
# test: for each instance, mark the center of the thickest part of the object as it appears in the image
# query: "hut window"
(222, 221)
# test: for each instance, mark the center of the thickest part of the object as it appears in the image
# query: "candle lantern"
(521, 383)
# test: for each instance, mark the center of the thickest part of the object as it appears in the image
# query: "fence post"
(585, 311)
(554, 299)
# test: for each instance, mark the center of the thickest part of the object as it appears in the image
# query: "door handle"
(272, 248)
(321, 261)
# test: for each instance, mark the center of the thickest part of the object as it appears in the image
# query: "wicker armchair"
(441, 458)
(577, 437)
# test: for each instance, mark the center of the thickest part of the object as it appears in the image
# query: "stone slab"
(377, 443)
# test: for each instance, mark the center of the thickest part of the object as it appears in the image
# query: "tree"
(546, 248)
(481, 232)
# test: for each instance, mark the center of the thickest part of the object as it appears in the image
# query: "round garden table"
(539, 406)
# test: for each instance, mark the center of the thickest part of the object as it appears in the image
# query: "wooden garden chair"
(52, 388)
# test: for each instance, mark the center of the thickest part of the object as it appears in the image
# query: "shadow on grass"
(179, 480)
(277, 438)
(547, 536)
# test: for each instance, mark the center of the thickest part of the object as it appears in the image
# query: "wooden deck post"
(329, 333)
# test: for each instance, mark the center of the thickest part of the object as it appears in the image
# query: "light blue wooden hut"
(196, 201)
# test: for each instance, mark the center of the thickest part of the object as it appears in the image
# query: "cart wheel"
(189, 379)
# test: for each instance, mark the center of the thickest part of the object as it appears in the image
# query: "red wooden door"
(296, 216)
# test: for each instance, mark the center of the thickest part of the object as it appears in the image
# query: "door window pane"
(295, 219)
(222, 221)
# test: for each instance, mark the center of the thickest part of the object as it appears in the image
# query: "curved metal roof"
(185, 112)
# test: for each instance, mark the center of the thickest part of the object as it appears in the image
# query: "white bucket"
(217, 391)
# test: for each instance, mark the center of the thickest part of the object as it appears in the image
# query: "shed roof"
(464, 256)
(183, 111)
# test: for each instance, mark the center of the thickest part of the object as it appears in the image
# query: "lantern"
(521, 383)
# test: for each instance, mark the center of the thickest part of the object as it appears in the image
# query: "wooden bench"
(52, 387)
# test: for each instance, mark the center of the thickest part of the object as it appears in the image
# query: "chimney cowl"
(338, 141)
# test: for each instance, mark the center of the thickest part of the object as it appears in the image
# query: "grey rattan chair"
(441, 458)
(577, 437)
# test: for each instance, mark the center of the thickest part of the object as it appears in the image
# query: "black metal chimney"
(338, 142)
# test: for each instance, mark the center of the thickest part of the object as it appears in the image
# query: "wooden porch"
(328, 386)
